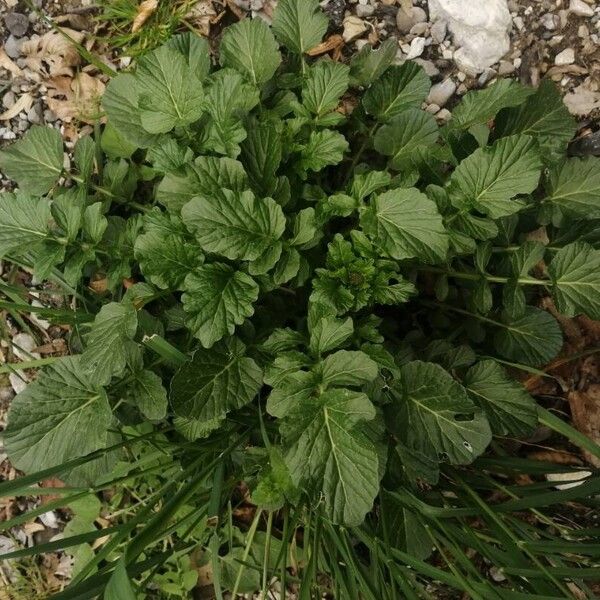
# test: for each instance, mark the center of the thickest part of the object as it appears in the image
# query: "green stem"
(360, 152)
(251, 533)
(111, 195)
(479, 276)
(266, 559)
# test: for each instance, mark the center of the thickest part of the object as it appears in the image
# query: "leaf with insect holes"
(216, 299)
(405, 223)
(490, 178)
(533, 339)
(250, 48)
(507, 405)
(574, 187)
(575, 275)
(330, 454)
(432, 413)
(399, 88)
(35, 162)
(62, 415)
(236, 225)
(299, 24)
(215, 382)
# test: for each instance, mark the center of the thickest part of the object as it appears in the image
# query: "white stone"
(438, 31)
(479, 28)
(566, 57)
(23, 345)
(353, 28)
(364, 10)
(429, 67)
(582, 101)
(416, 48)
(441, 92)
(17, 382)
(444, 115)
(581, 9)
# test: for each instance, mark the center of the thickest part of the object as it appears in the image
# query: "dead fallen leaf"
(331, 43)
(77, 98)
(557, 457)
(202, 15)
(585, 414)
(52, 54)
(23, 104)
(145, 11)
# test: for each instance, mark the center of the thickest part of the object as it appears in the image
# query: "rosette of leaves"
(341, 286)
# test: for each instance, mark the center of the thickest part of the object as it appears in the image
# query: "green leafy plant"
(317, 301)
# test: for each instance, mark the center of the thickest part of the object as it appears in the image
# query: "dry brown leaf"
(585, 414)
(145, 11)
(31, 528)
(22, 104)
(9, 65)
(331, 43)
(77, 98)
(52, 54)
(202, 15)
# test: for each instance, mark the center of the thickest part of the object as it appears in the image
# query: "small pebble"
(416, 48)
(364, 10)
(506, 67)
(433, 109)
(429, 67)
(23, 346)
(419, 28)
(549, 21)
(566, 57)
(35, 114)
(12, 46)
(9, 99)
(444, 115)
(438, 31)
(16, 23)
(581, 9)
(353, 28)
(441, 92)
(17, 383)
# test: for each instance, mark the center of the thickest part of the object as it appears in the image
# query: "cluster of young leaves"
(301, 231)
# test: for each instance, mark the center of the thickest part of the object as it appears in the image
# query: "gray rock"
(49, 116)
(16, 23)
(506, 67)
(35, 114)
(581, 9)
(9, 99)
(428, 66)
(438, 31)
(550, 21)
(12, 46)
(364, 10)
(406, 20)
(441, 92)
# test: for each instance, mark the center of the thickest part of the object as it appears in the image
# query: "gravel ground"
(43, 81)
